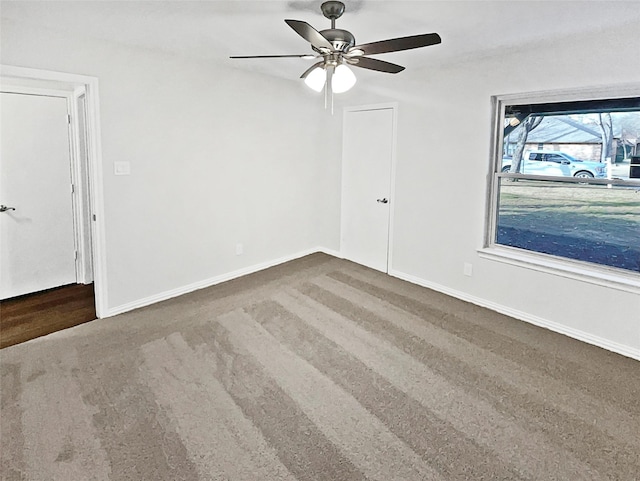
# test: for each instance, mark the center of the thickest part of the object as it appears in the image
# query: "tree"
(526, 126)
(629, 125)
(606, 132)
(624, 136)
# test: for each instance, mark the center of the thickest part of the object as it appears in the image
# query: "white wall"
(444, 134)
(218, 157)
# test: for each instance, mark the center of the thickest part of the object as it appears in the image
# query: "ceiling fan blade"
(308, 71)
(374, 64)
(303, 55)
(397, 44)
(310, 34)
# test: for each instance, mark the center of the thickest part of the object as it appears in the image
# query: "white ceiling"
(213, 30)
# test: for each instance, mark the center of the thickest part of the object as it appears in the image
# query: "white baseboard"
(523, 316)
(520, 315)
(331, 252)
(163, 296)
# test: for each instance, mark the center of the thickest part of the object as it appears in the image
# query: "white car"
(554, 162)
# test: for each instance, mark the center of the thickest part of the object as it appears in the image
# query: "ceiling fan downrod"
(341, 40)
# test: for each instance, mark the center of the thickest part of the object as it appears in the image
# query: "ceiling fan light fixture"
(343, 79)
(316, 79)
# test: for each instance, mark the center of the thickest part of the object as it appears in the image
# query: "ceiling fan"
(337, 49)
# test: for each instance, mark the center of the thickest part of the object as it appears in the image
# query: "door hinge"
(75, 255)
(94, 217)
(73, 188)
(69, 119)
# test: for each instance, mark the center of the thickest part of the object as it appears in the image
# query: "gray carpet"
(317, 369)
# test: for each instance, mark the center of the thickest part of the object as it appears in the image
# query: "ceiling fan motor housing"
(341, 40)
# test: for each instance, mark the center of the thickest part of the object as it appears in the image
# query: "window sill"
(601, 276)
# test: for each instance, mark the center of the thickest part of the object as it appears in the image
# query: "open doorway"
(52, 257)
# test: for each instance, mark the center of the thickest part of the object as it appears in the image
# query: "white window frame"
(574, 269)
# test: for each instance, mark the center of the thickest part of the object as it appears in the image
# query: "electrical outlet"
(239, 249)
(122, 167)
(468, 269)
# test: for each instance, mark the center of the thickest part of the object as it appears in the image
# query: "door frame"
(393, 106)
(36, 80)
(82, 199)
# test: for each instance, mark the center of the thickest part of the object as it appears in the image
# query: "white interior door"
(366, 186)
(37, 244)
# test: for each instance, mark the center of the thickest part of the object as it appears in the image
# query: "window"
(555, 158)
(564, 193)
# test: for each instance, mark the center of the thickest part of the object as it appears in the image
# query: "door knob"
(4, 208)
(383, 201)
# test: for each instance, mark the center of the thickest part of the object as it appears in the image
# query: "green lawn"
(589, 212)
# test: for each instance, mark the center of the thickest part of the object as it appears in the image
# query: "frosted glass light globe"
(316, 79)
(343, 79)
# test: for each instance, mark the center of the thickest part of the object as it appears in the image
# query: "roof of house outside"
(560, 130)
(565, 130)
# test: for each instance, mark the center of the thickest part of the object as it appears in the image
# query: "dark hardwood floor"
(34, 315)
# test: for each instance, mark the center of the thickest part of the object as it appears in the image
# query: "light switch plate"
(122, 167)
